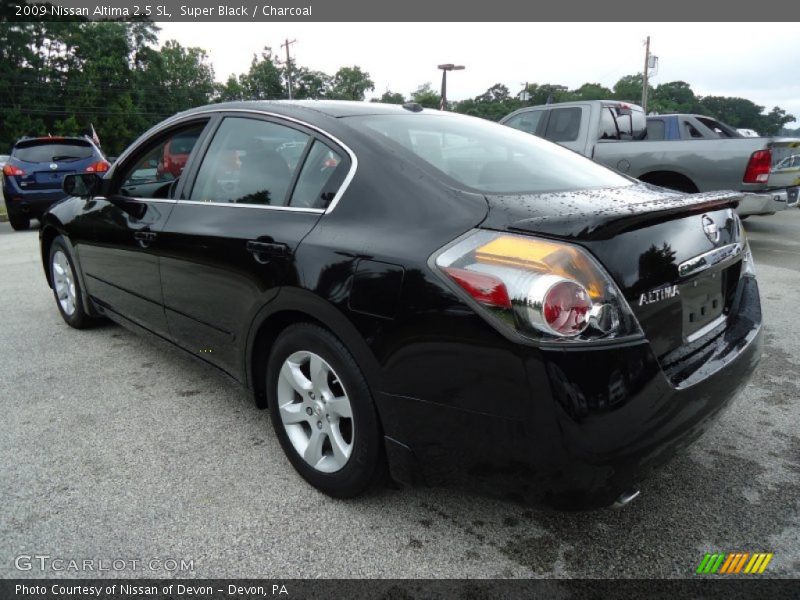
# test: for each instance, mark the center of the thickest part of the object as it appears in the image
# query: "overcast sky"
(757, 61)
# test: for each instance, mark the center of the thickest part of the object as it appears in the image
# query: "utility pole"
(286, 45)
(646, 69)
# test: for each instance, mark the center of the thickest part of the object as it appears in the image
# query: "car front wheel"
(322, 411)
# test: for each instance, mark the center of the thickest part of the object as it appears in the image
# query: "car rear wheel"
(19, 223)
(66, 287)
(322, 411)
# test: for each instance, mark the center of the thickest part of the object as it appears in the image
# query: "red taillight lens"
(566, 307)
(486, 289)
(540, 289)
(100, 166)
(758, 168)
(11, 170)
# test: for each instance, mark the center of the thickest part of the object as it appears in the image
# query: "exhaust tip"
(626, 498)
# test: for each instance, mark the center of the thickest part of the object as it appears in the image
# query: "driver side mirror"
(83, 185)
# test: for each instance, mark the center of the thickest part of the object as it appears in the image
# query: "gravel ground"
(113, 448)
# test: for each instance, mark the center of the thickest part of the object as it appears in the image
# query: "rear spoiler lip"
(607, 224)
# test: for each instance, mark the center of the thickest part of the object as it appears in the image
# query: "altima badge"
(658, 295)
(710, 229)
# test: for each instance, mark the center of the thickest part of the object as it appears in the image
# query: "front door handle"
(145, 238)
(267, 249)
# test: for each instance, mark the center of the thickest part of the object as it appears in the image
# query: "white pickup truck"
(616, 134)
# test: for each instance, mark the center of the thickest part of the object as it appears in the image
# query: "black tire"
(78, 319)
(366, 461)
(19, 222)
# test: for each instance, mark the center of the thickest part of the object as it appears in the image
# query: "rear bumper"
(581, 425)
(29, 202)
(768, 202)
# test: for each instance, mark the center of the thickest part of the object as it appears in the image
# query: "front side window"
(527, 121)
(160, 164)
(486, 156)
(249, 161)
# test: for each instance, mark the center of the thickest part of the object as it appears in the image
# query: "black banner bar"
(397, 589)
(400, 10)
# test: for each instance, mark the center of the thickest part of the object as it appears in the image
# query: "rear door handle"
(145, 236)
(267, 249)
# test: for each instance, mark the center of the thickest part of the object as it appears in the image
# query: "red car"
(173, 159)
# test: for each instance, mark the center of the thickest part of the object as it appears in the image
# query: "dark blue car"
(33, 174)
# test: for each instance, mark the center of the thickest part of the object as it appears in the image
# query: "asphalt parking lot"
(111, 447)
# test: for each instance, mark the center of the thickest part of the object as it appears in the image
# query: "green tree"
(493, 104)
(593, 91)
(264, 80)
(772, 123)
(629, 89)
(231, 90)
(737, 112)
(310, 84)
(350, 83)
(425, 96)
(390, 97)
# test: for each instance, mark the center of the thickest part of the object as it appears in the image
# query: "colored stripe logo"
(733, 563)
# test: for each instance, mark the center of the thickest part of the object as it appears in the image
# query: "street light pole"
(445, 68)
(645, 73)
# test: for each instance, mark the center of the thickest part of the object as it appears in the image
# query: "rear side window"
(43, 151)
(656, 129)
(527, 121)
(485, 156)
(720, 129)
(249, 161)
(692, 130)
(318, 178)
(563, 125)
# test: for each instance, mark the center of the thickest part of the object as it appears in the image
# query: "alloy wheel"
(315, 411)
(64, 282)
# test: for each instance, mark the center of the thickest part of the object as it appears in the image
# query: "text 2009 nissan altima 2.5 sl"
(422, 292)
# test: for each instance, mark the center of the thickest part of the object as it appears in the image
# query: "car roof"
(331, 108)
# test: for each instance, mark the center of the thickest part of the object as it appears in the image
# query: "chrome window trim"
(339, 193)
(175, 201)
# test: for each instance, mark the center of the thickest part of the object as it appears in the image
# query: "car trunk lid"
(660, 247)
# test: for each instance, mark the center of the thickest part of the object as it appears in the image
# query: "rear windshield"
(44, 151)
(183, 143)
(486, 156)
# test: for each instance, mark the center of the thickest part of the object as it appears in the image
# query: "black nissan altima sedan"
(420, 293)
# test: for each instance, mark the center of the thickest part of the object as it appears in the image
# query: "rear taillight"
(542, 289)
(758, 167)
(485, 289)
(11, 170)
(100, 166)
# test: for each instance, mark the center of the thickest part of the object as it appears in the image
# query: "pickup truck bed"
(614, 134)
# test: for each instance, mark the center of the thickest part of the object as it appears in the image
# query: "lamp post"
(445, 69)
